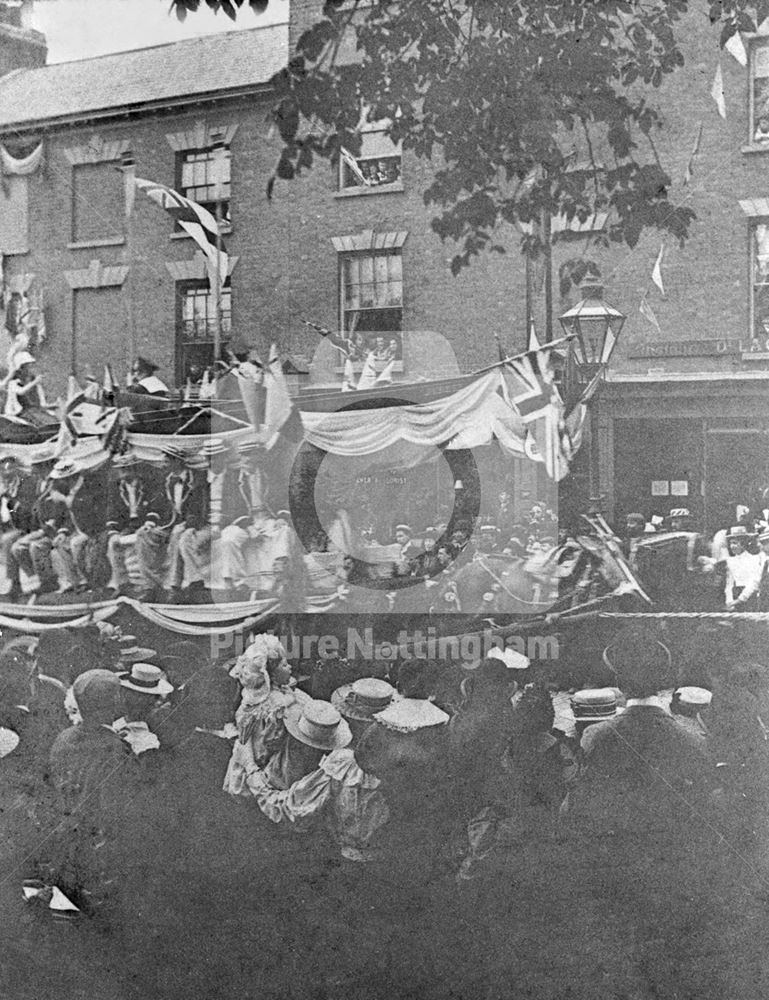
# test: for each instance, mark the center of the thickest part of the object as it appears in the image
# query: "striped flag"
(657, 270)
(195, 220)
(648, 313)
(574, 422)
(689, 172)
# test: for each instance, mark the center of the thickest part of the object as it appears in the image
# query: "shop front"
(693, 440)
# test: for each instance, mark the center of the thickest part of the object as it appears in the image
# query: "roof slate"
(213, 63)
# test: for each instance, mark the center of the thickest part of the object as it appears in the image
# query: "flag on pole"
(195, 220)
(533, 392)
(352, 163)
(736, 47)
(689, 172)
(657, 270)
(648, 313)
(717, 91)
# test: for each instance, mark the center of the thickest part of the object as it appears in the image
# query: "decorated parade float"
(223, 512)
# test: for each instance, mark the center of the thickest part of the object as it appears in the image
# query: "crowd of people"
(733, 565)
(425, 767)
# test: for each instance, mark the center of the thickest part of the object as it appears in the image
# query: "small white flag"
(657, 270)
(736, 47)
(717, 92)
(533, 342)
(368, 376)
(648, 313)
(386, 375)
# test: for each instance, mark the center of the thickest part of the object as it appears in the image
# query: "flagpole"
(128, 167)
(218, 164)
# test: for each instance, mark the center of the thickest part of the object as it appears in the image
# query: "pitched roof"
(229, 61)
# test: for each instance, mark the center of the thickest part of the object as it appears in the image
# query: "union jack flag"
(196, 221)
(535, 396)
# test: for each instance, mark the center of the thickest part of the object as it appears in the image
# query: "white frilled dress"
(261, 725)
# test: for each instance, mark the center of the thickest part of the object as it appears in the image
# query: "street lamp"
(594, 327)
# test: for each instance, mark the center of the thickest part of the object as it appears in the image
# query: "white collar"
(653, 701)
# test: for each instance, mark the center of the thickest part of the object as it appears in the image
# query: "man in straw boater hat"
(337, 790)
(743, 570)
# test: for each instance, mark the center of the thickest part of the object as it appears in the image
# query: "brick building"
(681, 419)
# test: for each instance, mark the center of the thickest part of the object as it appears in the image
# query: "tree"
(527, 108)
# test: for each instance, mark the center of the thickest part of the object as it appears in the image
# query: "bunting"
(717, 91)
(657, 271)
(736, 47)
(21, 166)
(648, 313)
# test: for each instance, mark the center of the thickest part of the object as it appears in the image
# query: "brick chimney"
(21, 47)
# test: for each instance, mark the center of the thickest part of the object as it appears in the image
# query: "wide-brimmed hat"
(739, 531)
(594, 704)
(146, 678)
(409, 715)
(63, 469)
(317, 724)
(361, 700)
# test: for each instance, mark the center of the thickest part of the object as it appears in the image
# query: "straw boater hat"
(594, 704)
(764, 536)
(317, 724)
(680, 512)
(249, 447)
(739, 531)
(361, 700)
(213, 446)
(146, 678)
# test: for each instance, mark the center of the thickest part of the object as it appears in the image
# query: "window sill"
(115, 241)
(224, 231)
(357, 192)
(755, 147)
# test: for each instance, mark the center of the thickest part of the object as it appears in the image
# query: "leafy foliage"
(523, 107)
